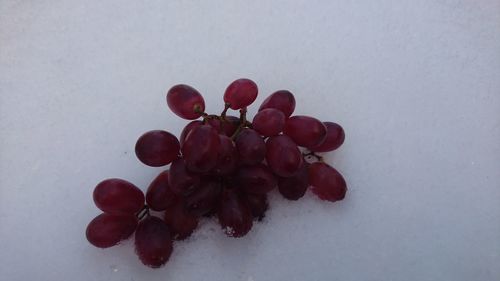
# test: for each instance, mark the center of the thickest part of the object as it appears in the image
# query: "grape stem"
(243, 123)
(143, 212)
(313, 154)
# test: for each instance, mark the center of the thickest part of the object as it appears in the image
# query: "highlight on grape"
(222, 166)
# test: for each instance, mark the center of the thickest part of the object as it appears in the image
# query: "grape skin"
(241, 93)
(251, 147)
(269, 122)
(283, 156)
(335, 137)
(185, 101)
(153, 242)
(159, 194)
(305, 131)
(157, 148)
(107, 230)
(200, 149)
(326, 182)
(282, 100)
(118, 197)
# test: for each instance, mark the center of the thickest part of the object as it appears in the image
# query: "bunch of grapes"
(221, 166)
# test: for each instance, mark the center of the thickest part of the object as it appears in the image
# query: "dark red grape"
(334, 138)
(118, 197)
(257, 203)
(294, 187)
(200, 149)
(181, 222)
(157, 148)
(225, 127)
(107, 230)
(190, 126)
(227, 158)
(153, 242)
(185, 101)
(241, 93)
(305, 131)
(255, 179)
(181, 180)
(204, 197)
(235, 217)
(159, 195)
(251, 147)
(283, 156)
(326, 182)
(282, 100)
(269, 122)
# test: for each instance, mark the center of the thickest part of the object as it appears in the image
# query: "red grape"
(227, 158)
(283, 156)
(190, 126)
(107, 230)
(204, 197)
(326, 182)
(118, 197)
(241, 93)
(305, 131)
(255, 179)
(294, 187)
(334, 138)
(282, 100)
(181, 180)
(269, 122)
(225, 127)
(200, 149)
(159, 195)
(258, 204)
(157, 148)
(181, 222)
(235, 217)
(153, 242)
(251, 147)
(185, 101)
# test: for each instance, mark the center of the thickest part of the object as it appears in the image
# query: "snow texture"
(416, 85)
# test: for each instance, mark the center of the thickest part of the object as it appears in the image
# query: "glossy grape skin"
(227, 159)
(251, 147)
(335, 137)
(187, 129)
(107, 230)
(225, 127)
(235, 217)
(157, 148)
(283, 156)
(185, 101)
(294, 187)
(282, 100)
(118, 197)
(326, 182)
(255, 179)
(200, 149)
(181, 222)
(258, 204)
(159, 194)
(204, 197)
(241, 93)
(153, 242)
(269, 122)
(305, 131)
(181, 180)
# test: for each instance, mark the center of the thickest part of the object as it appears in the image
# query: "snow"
(414, 83)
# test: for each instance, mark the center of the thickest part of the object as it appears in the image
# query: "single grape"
(255, 179)
(283, 156)
(335, 137)
(185, 101)
(282, 100)
(157, 148)
(227, 159)
(305, 131)
(326, 182)
(204, 198)
(241, 93)
(153, 242)
(181, 180)
(251, 147)
(294, 187)
(235, 217)
(190, 126)
(159, 195)
(269, 122)
(200, 149)
(118, 197)
(257, 203)
(107, 230)
(225, 127)
(181, 222)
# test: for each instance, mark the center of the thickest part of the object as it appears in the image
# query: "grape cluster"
(221, 166)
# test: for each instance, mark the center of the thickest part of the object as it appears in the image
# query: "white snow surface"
(416, 85)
